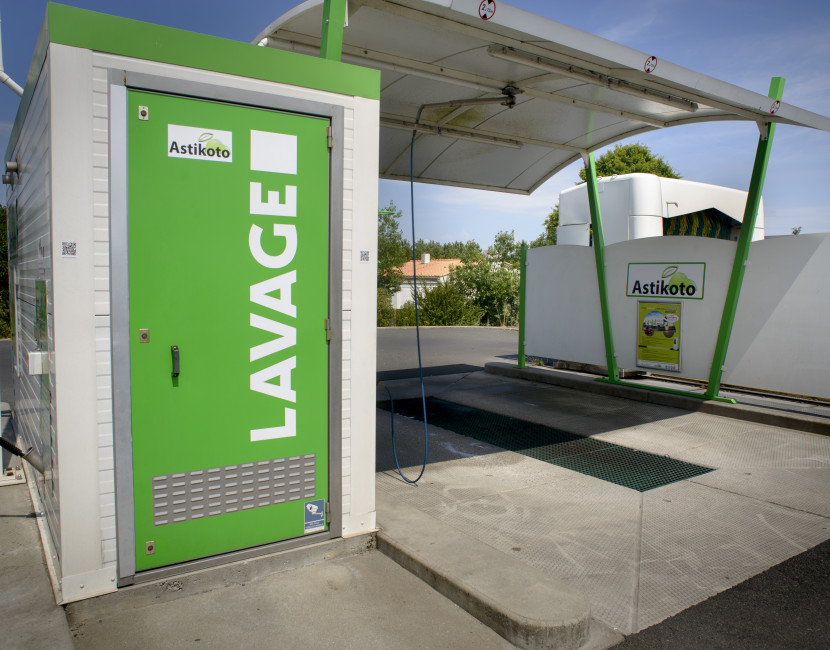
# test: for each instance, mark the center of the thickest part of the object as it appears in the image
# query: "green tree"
(393, 250)
(631, 158)
(548, 237)
(433, 248)
(797, 231)
(446, 304)
(451, 250)
(470, 253)
(505, 249)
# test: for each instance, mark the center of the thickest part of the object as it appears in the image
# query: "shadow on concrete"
(786, 606)
(409, 442)
(429, 371)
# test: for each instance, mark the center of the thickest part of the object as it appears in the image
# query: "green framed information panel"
(228, 230)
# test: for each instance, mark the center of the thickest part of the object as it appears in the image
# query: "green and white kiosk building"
(194, 230)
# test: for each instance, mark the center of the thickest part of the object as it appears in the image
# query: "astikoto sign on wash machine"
(194, 212)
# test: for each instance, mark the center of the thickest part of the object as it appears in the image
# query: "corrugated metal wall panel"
(32, 195)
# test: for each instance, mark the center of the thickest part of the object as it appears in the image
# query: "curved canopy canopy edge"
(507, 102)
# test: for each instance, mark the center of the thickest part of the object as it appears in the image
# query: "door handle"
(175, 350)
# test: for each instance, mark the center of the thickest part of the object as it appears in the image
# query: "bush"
(446, 304)
(405, 315)
(493, 287)
(386, 315)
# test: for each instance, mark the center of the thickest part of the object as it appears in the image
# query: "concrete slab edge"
(527, 608)
(794, 421)
(215, 577)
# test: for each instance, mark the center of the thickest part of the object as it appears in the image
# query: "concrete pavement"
(29, 617)
(363, 600)
(341, 594)
(638, 557)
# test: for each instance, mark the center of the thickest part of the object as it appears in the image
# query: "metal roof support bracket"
(753, 201)
(599, 256)
(592, 77)
(334, 21)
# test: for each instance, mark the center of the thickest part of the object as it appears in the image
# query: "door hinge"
(329, 332)
(328, 512)
(330, 137)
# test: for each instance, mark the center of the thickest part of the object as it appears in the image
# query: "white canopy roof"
(556, 92)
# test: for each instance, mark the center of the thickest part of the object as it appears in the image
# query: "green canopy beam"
(522, 303)
(334, 22)
(753, 201)
(599, 256)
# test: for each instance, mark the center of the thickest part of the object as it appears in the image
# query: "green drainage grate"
(638, 470)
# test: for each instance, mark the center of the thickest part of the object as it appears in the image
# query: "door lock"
(144, 336)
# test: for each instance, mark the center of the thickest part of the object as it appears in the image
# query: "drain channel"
(637, 470)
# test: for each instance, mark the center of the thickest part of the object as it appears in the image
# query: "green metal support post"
(602, 282)
(753, 201)
(522, 303)
(334, 22)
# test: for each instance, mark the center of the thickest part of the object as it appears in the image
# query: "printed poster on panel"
(658, 335)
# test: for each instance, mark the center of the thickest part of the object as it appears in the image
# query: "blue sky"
(740, 41)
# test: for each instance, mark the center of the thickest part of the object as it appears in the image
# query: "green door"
(228, 295)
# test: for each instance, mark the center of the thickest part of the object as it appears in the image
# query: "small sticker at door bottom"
(315, 516)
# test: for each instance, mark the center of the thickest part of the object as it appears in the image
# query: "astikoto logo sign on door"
(199, 144)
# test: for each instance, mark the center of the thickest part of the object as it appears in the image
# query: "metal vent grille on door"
(219, 490)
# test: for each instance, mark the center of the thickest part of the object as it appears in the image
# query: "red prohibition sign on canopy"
(651, 63)
(487, 9)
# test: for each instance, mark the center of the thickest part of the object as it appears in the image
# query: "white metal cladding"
(772, 347)
(34, 262)
(576, 92)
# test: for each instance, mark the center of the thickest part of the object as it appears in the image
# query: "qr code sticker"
(364, 256)
(69, 249)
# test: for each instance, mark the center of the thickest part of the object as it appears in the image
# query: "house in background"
(429, 274)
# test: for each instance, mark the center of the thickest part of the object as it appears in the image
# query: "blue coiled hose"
(417, 331)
